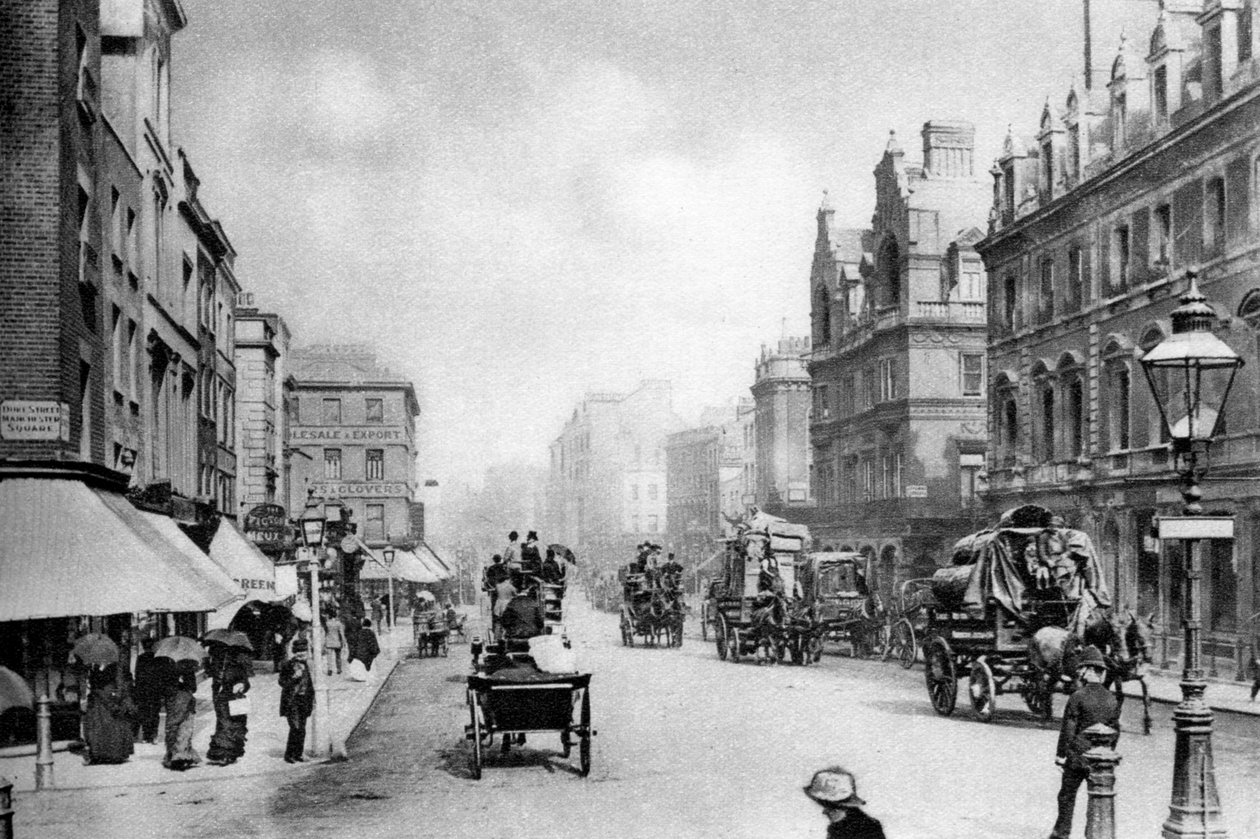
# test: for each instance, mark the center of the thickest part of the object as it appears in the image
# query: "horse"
(1130, 657)
(768, 619)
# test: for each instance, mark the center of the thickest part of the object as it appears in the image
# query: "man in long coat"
(1091, 703)
(297, 699)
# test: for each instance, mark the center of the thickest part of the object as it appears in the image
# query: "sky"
(521, 202)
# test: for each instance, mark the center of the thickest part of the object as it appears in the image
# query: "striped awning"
(71, 549)
(433, 562)
(406, 566)
(253, 572)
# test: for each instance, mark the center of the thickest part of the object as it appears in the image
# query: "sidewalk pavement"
(1222, 694)
(349, 702)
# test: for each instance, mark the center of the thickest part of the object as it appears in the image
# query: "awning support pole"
(43, 744)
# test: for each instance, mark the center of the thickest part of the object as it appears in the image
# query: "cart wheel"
(719, 637)
(584, 747)
(476, 740)
(904, 641)
(983, 690)
(942, 681)
(734, 646)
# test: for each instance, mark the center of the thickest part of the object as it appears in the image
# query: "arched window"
(1044, 414)
(822, 315)
(890, 274)
(1153, 428)
(1071, 372)
(1115, 404)
(1006, 417)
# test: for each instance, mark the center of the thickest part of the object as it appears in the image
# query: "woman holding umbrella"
(107, 724)
(181, 703)
(230, 669)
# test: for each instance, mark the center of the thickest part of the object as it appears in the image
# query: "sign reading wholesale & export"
(347, 434)
(21, 419)
(361, 489)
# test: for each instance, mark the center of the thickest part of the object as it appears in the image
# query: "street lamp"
(388, 553)
(1190, 374)
(313, 523)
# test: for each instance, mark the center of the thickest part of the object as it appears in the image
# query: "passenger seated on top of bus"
(522, 618)
(768, 578)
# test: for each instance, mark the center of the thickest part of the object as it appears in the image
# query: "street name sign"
(22, 419)
(1196, 527)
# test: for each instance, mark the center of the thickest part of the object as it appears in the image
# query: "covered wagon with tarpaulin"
(1003, 586)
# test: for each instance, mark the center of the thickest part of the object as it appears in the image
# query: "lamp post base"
(1195, 810)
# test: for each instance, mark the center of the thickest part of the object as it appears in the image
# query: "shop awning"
(254, 573)
(434, 562)
(68, 550)
(407, 567)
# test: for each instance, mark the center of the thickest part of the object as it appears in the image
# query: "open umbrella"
(95, 648)
(302, 611)
(425, 594)
(178, 648)
(228, 638)
(14, 691)
(562, 551)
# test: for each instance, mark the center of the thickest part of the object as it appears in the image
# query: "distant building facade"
(352, 437)
(897, 361)
(606, 487)
(264, 388)
(1146, 175)
(782, 395)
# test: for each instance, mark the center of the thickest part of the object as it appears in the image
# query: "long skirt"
(228, 742)
(107, 731)
(181, 714)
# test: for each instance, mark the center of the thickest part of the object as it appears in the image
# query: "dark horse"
(769, 617)
(1124, 639)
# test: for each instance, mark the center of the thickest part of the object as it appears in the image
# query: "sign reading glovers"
(361, 489)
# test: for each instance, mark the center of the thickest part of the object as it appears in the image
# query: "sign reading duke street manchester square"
(347, 434)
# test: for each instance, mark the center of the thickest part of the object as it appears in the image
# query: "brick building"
(897, 425)
(1146, 174)
(352, 437)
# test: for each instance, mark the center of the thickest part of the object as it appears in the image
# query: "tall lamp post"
(1190, 374)
(313, 524)
(388, 553)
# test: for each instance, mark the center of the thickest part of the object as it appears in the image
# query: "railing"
(951, 311)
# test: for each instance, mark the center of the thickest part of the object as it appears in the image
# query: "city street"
(687, 746)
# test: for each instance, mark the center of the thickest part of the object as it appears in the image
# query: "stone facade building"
(352, 435)
(606, 486)
(897, 364)
(264, 391)
(782, 395)
(1095, 225)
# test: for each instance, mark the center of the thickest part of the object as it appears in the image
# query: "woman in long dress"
(181, 713)
(229, 672)
(107, 725)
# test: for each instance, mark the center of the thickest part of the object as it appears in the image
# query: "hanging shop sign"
(22, 419)
(267, 524)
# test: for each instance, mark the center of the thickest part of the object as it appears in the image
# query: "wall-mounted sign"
(360, 489)
(343, 434)
(22, 419)
(1196, 527)
(267, 524)
(916, 491)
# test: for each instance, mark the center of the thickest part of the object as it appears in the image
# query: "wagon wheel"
(940, 676)
(584, 747)
(719, 636)
(983, 690)
(476, 739)
(1038, 698)
(734, 645)
(903, 641)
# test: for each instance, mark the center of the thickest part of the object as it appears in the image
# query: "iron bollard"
(43, 741)
(6, 808)
(1100, 818)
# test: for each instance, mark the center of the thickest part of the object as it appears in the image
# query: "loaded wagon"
(839, 587)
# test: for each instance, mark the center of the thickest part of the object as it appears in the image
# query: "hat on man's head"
(1091, 656)
(301, 645)
(533, 534)
(513, 535)
(834, 787)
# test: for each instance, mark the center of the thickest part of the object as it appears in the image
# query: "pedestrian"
(1090, 704)
(297, 699)
(334, 640)
(367, 647)
(147, 692)
(107, 723)
(835, 789)
(181, 713)
(378, 610)
(229, 682)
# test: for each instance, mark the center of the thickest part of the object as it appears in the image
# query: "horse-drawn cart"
(839, 586)
(908, 621)
(652, 609)
(748, 605)
(512, 706)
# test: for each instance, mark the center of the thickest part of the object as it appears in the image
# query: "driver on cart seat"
(522, 619)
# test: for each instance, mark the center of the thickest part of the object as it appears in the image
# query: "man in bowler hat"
(1091, 703)
(835, 789)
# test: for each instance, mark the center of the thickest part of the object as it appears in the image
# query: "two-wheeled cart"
(512, 707)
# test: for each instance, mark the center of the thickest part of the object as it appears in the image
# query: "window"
(187, 275)
(971, 287)
(886, 476)
(116, 328)
(1120, 115)
(1074, 150)
(1047, 289)
(899, 472)
(868, 479)
(822, 402)
(971, 373)
(1076, 279)
(969, 468)
(1161, 93)
(1117, 407)
(634, 492)
(1008, 427)
(651, 492)
(374, 411)
(1074, 417)
(1045, 442)
(1214, 214)
(375, 522)
(1121, 245)
(85, 411)
(653, 524)
(887, 379)
(1009, 301)
(332, 464)
(131, 241)
(1212, 70)
(132, 358)
(1047, 169)
(1008, 189)
(1245, 23)
(1163, 234)
(868, 388)
(332, 412)
(374, 464)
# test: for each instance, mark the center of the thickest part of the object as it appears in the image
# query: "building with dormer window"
(1158, 179)
(897, 361)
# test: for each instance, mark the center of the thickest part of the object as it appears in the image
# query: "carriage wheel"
(584, 748)
(942, 681)
(904, 642)
(983, 690)
(719, 636)
(734, 645)
(476, 740)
